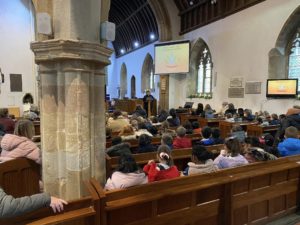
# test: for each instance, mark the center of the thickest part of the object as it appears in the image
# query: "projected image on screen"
(172, 57)
(282, 88)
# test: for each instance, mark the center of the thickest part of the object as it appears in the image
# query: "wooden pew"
(252, 194)
(225, 127)
(84, 211)
(180, 156)
(257, 130)
(20, 177)
(155, 140)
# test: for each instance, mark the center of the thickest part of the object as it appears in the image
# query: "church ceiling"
(136, 25)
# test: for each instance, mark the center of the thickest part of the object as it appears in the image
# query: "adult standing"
(146, 99)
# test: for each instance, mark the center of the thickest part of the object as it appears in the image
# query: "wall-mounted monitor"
(282, 88)
(172, 57)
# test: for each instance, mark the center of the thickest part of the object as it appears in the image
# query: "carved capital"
(57, 50)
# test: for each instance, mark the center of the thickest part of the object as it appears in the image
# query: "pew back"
(253, 194)
(20, 177)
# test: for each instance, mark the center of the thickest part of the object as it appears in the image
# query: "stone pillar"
(72, 79)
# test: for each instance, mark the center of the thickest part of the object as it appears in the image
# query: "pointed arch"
(147, 74)
(133, 87)
(200, 53)
(123, 81)
(279, 55)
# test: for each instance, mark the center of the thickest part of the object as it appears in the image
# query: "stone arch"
(278, 56)
(162, 18)
(194, 64)
(133, 87)
(123, 81)
(146, 69)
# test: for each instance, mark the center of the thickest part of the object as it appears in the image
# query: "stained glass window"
(204, 73)
(294, 59)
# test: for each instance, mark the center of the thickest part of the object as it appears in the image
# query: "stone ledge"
(57, 49)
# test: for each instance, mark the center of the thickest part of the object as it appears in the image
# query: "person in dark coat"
(145, 144)
(118, 147)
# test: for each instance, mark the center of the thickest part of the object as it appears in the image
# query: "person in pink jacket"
(14, 146)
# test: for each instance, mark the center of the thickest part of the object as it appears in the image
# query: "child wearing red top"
(181, 141)
(164, 169)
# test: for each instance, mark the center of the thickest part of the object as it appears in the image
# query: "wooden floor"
(293, 219)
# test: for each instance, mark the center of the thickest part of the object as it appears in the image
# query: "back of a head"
(24, 128)
(187, 125)
(172, 113)
(291, 132)
(116, 114)
(165, 125)
(269, 139)
(207, 107)
(180, 131)
(27, 98)
(3, 112)
(216, 133)
(233, 146)
(200, 107)
(167, 139)
(201, 153)
(164, 153)
(127, 130)
(127, 164)
(195, 125)
(153, 130)
(254, 141)
(142, 125)
(206, 132)
(144, 140)
(230, 106)
(116, 140)
(236, 128)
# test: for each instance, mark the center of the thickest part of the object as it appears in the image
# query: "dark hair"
(200, 107)
(142, 125)
(144, 140)
(153, 130)
(274, 116)
(27, 98)
(154, 119)
(127, 164)
(201, 153)
(206, 132)
(167, 139)
(254, 142)
(240, 111)
(116, 114)
(172, 113)
(187, 125)
(3, 112)
(269, 139)
(233, 146)
(138, 107)
(116, 140)
(231, 106)
(195, 125)
(167, 156)
(216, 133)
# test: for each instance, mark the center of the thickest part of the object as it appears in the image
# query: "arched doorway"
(133, 88)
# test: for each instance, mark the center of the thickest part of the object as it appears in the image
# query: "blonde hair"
(24, 128)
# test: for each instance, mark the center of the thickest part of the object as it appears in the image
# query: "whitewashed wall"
(239, 45)
(17, 31)
(134, 64)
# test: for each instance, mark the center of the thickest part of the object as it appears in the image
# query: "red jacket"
(9, 125)
(182, 142)
(155, 175)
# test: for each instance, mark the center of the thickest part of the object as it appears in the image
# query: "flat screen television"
(282, 88)
(172, 57)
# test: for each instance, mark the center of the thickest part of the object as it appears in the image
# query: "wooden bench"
(20, 177)
(257, 130)
(84, 211)
(252, 194)
(180, 156)
(155, 140)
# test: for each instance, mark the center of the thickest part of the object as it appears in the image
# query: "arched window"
(133, 91)
(123, 81)
(294, 58)
(148, 74)
(204, 72)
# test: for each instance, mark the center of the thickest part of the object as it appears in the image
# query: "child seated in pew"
(268, 141)
(231, 156)
(188, 126)
(165, 129)
(128, 174)
(20, 144)
(167, 139)
(181, 141)
(165, 169)
(145, 144)
(201, 161)
(118, 147)
(238, 132)
(254, 152)
(196, 127)
(291, 143)
(206, 134)
(216, 137)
